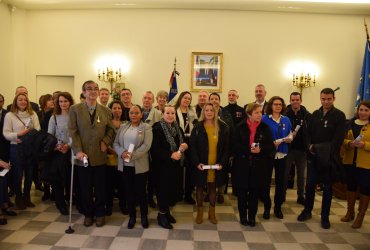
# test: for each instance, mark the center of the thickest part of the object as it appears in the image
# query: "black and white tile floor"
(43, 227)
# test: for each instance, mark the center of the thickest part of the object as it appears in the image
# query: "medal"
(98, 120)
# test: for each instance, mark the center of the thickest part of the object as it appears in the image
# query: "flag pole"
(367, 32)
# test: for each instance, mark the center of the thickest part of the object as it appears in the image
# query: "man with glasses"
(126, 97)
(92, 132)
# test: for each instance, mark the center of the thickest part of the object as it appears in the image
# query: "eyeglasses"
(92, 89)
(277, 104)
(134, 113)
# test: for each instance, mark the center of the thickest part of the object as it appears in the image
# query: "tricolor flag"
(173, 86)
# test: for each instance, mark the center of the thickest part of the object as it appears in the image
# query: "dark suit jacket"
(4, 143)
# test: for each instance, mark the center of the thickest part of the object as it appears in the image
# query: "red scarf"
(252, 128)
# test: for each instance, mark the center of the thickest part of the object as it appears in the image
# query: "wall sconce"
(307, 76)
(110, 76)
(302, 81)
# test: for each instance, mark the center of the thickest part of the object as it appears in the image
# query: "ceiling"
(354, 7)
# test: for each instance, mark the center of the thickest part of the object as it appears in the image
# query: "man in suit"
(92, 132)
(260, 94)
(22, 89)
(4, 143)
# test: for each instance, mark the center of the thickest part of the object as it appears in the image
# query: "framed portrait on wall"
(206, 71)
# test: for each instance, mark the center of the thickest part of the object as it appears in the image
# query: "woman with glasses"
(209, 145)
(132, 145)
(280, 128)
(167, 151)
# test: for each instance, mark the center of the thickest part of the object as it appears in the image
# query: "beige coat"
(140, 155)
(86, 137)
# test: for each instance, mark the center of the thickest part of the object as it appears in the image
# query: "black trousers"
(279, 198)
(92, 189)
(135, 185)
(247, 202)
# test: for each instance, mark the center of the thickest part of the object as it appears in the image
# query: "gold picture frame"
(206, 71)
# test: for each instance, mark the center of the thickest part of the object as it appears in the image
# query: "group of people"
(139, 152)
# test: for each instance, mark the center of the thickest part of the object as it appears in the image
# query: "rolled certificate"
(359, 138)
(130, 150)
(210, 167)
(279, 140)
(297, 128)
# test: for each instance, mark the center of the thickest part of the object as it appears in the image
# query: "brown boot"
(19, 202)
(27, 201)
(212, 215)
(199, 219)
(351, 201)
(364, 204)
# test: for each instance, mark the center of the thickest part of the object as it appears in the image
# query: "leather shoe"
(244, 221)
(252, 222)
(100, 221)
(325, 223)
(163, 221)
(278, 213)
(63, 210)
(266, 215)
(304, 216)
(9, 212)
(124, 210)
(131, 223)
(220, 199)
(3, 221)
(144, 222)
(170, 218)
(88, 221)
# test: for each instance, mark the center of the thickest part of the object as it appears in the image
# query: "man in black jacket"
(325, 133)
(299, 118)
(236, 112)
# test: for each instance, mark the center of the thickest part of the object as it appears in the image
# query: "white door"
(46, 84)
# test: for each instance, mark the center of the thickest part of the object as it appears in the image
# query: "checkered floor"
(43, 228)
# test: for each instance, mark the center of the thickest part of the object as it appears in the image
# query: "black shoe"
(3, 221)
(304, 216)
(301, 200)
(278, 213)
(252, 222)
(63, 210)
(152, 203)
(131, 223)
(189, 200)
(325, 223)
(244, 221)
(8, 211)
(266, 215)
(163, 221)
(144, 222)
(170, 218)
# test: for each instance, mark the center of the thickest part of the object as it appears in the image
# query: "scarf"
(252, 128)
(170, 132)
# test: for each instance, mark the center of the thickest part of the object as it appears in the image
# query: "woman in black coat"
(253, 152)
(167, 154)
(209, 143)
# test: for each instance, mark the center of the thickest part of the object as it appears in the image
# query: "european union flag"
(363, 92)
(173, 86)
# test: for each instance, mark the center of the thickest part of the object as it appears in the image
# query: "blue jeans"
(312, 180)
(20, 166)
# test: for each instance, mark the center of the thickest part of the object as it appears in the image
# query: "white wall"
(256, 45)
(5, 52)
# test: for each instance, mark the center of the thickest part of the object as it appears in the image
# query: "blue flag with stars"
(173, 86)
(363, 92)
